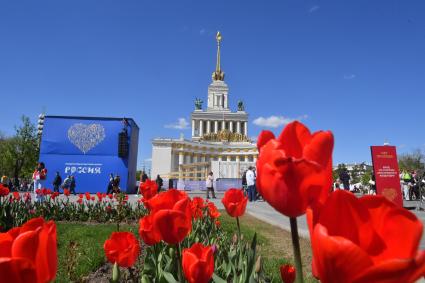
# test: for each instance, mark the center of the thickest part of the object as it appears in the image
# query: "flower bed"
(353, 240)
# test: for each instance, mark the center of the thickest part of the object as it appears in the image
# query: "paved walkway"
(263, 211)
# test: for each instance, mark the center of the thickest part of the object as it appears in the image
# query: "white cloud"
(148, 159)
(202, 31)
(349, 76)
(276, 121)
(313, 9)
(181, 124)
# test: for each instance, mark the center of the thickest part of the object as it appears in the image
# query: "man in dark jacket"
(159, 182)
(57, 181)
(72, 185)
(345, 179)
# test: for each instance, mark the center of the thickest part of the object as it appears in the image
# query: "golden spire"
(218, 75)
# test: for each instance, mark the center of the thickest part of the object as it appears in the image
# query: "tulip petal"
(294, 137)
(6, 241)
(17, 270)
(345, 216)
(320, 148)
(47, 259)
(387, 220)
(263, 138)
(32, 224)
(394, 271)
(172, 225)
(337, 259)
(26, 245)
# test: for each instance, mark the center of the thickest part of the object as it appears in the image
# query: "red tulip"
(66, 192)
(365, 240)
(54, 195)
(4, 191)
(213, 211)
(80, 196)
(99, 196)
(287, 273)
(29, 253)
(197, 207)
(147, 231)
(171, 214)
(16, 196)
(87, 194)
(122, 248)
(148, 189)
(295, 170)
(235, 202)
(198, 263)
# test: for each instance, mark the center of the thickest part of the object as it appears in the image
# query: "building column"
(201, 128)
(220, 158)
(238, 158)
(231, 126)
(193, 128)
(255, 158)
(215, 126)
(180, 182)
(238, 127)
(223, 125)
(208, 126)
(245, 128)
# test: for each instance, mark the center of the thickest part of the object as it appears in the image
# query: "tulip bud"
(287, 273)
(115, 273)
(171, 252)
(258, 265)
(214, 248)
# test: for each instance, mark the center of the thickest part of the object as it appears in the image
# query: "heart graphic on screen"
(86, 137)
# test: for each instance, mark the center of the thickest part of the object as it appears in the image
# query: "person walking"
(244, 185)
(143, 176)
(66, 183)
(57, 182)
(345, 179)
(72, 185)
(159, 182)
(250, 182)
(116, 185)
(406, 177)
(109, 190)
(210, 185)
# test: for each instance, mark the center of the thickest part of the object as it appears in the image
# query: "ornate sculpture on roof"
(198, 104)
(241, 107)
(225, 136)
(218, 74)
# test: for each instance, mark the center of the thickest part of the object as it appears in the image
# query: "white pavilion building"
(219, 140)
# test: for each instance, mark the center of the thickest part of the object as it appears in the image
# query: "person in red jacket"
(39, 176)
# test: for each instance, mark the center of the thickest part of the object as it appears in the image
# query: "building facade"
(219, 141)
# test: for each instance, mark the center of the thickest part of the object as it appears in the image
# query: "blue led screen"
(87, 148)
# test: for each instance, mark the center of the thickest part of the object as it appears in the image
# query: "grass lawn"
(88, 249)
(275, 245)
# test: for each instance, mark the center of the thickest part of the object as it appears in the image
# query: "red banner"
(385, 167)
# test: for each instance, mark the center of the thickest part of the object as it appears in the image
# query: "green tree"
(366, 177)
(412, 161)
(19, 152)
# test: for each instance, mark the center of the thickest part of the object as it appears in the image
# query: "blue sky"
(354, 67)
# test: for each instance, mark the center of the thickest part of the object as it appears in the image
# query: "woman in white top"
(210, 185)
